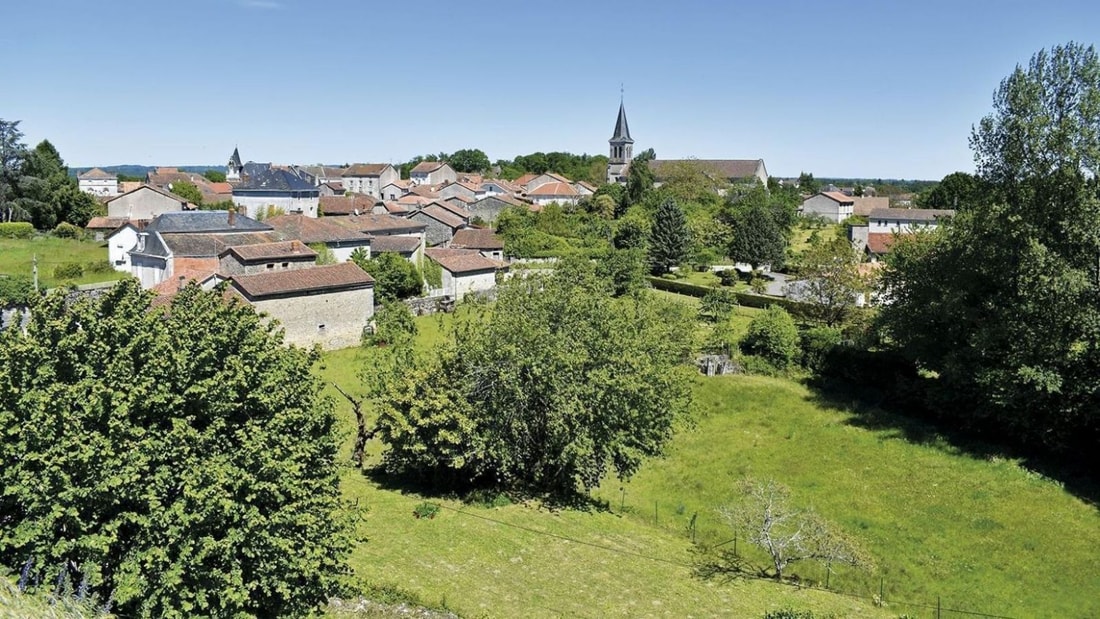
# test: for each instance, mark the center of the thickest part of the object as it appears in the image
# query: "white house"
(340, 240)
(831, 205)
(119, 243)
(98, 183)
(395, 189)
(465, 271)
(369, 178)
(885, 225)
(559, 192)
(432, 173)
(276, 188)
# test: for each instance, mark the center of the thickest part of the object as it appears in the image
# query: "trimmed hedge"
(16, 230)
(747, 299)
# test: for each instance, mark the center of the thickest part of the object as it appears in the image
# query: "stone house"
(440, 224)
(432, 173)
(460, 189)
(98, 183)
(146, 202)
(497, 186)
(331, 188)
(484, 240)
(396, 189)
(276, 188)
(382, 228)
(556, 192)
(369, 178)
(830, 205)
(327, 305)
(456, 207)
(538, 180)
(266, 258)
(340, 240)
(465, 271)
(489, 208)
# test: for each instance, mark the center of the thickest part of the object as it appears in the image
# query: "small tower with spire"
(622, 148)
(234, 167)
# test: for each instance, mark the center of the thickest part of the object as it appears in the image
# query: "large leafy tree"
(1003, 305)
(957, 190)
(549, 390)
(669, 239)
(179, 461)
(833, 279)
(757, 239)
(394, 277)
(12, 155)
(469, 160)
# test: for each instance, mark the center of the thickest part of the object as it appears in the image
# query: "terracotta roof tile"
(836, 196)
(95, 174)
(313, 229)
(268, 251)
(333, 277)
(427, 167)
(370, 223)
(553, 189)
(475, 238)
(879, 243)
(728, 168)
(864, 205)
(106, 223)
(366, 169)
(463, 260)
(398, 244)
(441, 215)
(455, 209)
(347, 205)
(910, 214)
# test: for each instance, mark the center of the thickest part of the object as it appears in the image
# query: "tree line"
(35, 185)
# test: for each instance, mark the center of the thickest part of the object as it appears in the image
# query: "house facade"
(98, 183)
(266, 258)
(464, 271)
(369, 178)
(328, 305)
(484, 241)
(146, 202)
(339, 240)
(432, 173)
(439, 223)
(555, 192)
(830, 205)
(119, 243)
(275, 189)
(489, 208)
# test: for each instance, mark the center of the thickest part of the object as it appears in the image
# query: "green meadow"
(17, 257)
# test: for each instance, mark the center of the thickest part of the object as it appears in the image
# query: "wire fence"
(935, 609)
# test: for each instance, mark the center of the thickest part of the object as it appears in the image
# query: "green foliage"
(69, 270)
(269, 211)
(394, 277)
(394, 325)
(591, 168)
(639, 180)
(551, 232)
(16, 230)
(807, 184)
(717, 304)
(66, 230)
(817, 343)
(957, 190)
(188, 191)
(469, 160)
(18, 290)
(625, 269)
(761, 225)
(833, 281)
(433, 273)
(35, 184)
(426, 510)
(214, 176)
(183, 461)
(324, 253)
(547, 390)
(669, 240)
(630, 233)
(773, 336)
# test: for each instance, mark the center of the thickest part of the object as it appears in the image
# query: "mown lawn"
(982, 535)
(17, 255)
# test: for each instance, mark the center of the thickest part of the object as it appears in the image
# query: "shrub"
(16, 230)
(68, 270)
(773, 336)
(788, 613)
(15, 290)
(728, 277)
(66, 230)
(817, 343)
(426, 510)
(717, 304)
(394, 325)
(99, 266)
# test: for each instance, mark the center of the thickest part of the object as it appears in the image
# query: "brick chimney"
(232, 217)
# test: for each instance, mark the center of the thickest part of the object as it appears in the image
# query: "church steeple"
(622, 147)
(234, 167)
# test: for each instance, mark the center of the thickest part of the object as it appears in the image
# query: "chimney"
(179, 286)
(232, 217)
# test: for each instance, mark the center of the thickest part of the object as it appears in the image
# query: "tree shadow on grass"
(905, 415)
(482, 495)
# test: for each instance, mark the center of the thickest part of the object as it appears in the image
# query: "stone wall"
(333, 320)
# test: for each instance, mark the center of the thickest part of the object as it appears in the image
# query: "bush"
(788, 613)
(69, 270)
(15, 290)
(717, 304)
(393, 325)
(817, 343)
(66, 230)
(99, 266)
(773, 336)
(728, 277)
(16, 230)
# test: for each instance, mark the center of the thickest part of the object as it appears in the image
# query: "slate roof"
(441, 215)
(205, 221)
(95, 174)
(463, 260)
(201, 245)
(274, 179)
(477, 238)
(314, 229)
(328, 278)
(556, 188)
(347, 205)
(910, 214)
(622, 129)
(366, 169)
(393, 243)
(272, 251)
(371, 223)
(235, 158)
(728, 168)
(427, 167)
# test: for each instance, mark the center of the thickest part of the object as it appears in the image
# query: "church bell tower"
(622, 149)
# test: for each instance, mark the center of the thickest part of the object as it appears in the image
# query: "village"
(285, 241)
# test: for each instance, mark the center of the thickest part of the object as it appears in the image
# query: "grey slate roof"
(235, 158)
(274, 179)
(209, 245)
(622, 129)
(910, 214)
(204, 221)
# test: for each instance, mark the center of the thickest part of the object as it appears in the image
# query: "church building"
(622, 149)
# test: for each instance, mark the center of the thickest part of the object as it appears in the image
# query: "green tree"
(669, 239)
(393, 325)
(807, 183)
(833, 281)
(469, 160)
(548, 390)
(181, 460)
(630, 233)
(214, 176)
(394, 277)
(639, 180)
(625, 269)
(957, 190)
(1003, 304)
(188, 191)
(12, 155)
(757, 239)
(773, 336)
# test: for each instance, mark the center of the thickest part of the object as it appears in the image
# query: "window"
(286, 264)
(271, 265)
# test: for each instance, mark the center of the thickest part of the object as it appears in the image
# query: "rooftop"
(728, 168)
(393, 243)
(95, 174)
(477, 238)
(205, 221)
(910, 214)
(333, 277)
(269, 251)
(314, 229)
(463, 260)
(366, 169)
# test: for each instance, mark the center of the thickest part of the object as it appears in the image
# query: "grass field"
(16, 256)
(982, 535)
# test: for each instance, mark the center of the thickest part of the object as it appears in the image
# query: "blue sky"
(854, 89)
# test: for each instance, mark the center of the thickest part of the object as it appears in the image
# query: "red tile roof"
(728, 168)
(879, 243)
(463, 260)
(455, 209)
(371, 223)
(333, 277)
(106, 223)
(441, 215)
(313, 229)
(553, 189)
(347, 205)
(836, 196)
(95, 174)
(475, 238)
(398, 244)
(424, 191)
(366, 169)
(427, 167)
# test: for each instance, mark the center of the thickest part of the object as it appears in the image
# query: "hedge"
(747, 299)
(16, 230)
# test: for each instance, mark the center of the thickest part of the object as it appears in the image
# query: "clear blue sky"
(863, 89)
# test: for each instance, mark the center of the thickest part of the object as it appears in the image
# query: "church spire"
(622, 147)
(622, 129)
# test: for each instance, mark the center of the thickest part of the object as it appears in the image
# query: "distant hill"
(141, 170)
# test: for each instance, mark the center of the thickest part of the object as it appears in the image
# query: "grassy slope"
(16, 256)
(15, 605)
(987, 536)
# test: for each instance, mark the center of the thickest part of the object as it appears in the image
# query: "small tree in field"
(669, 239)
(773, 336)
(765, 517)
